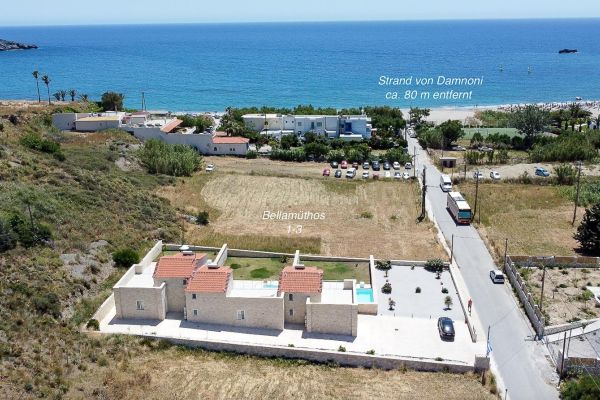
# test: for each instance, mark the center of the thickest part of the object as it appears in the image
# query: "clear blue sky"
(76, 12)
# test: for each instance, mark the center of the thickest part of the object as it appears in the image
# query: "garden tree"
(386, 288)
(588, 232)
(112, 101)
(577, 114)
(316, 149)
(391, 304)
(387, 120)
(397, 155)
(530, 121)
(288, 141)
(56, 96)
(170, 159)
(84, 97)
(477, 139)
(451, 131)
(125, 258)
(63, 94)
(417, 115)
(72, 94)
(46, 80)
(201, 122)
(36, 76)
(202, 218)
(565, 174)
(587, 387)
(383, 266)
(336, 155)
(434, 265)
(448, 302)
(431, 138)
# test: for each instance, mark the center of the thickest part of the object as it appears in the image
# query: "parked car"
(375, 176)
(405, 175)
(354, 164)
(495, 175)
(351, 173)
(365, 175)
(408, 165)
(387, 174)
(396, 165)
(497, 276)
(334, 164)
(458, 148)
(446, 328)
(397, 175)
(485, 149)
(338, 173)
(210, 168)
(344, 164)
(366, 165)
(539, 171)
(326, 172)
(477, 175)
(386, 166)
(375, 165)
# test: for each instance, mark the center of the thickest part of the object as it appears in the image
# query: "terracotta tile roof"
(230, 140)
(178, 265)
(307, 280)
(209, 280)
(171, 125)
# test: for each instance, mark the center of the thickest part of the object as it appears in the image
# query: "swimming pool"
(364, 295)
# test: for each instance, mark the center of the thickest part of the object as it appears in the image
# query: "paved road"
(522, 362)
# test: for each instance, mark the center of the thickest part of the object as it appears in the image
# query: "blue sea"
(208, 67)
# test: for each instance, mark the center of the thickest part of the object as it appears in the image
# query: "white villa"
(205, 291)
(144, 126)
(349, 127)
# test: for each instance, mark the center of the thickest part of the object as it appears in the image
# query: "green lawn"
(269, 268)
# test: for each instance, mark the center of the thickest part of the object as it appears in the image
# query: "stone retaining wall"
(531, 309)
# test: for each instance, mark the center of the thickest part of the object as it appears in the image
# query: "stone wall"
(298, 304)
(569, 261)
(337, 319)
(219, 309)
(126, 302)
(175, 293)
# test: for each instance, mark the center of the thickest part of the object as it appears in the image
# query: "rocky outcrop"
(5, 45)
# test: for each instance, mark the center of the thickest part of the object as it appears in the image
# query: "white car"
(397, 175)
(405, 175)
(497, 276)
(210, 168)
(387, 174)
(365, 174)
(495, 175)
(477, 175)
(396, 165)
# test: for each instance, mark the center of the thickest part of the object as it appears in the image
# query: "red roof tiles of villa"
(171, 125)
(306, 280)
(209, 280)
(230, 140)
(177, 266)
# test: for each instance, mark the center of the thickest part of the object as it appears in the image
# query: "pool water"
(364, 295)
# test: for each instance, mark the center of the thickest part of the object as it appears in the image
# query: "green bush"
(93, 324)
(386, 288)
(170, 159)
(297, 155)
(586, 387)
(342, 349)
(47, 303)
(260, 273)
(202, 218)
(588, 232)
(37, 142)
(565, 174)
(125, 258)
(567, 147)
(434, 265)
(251, 155)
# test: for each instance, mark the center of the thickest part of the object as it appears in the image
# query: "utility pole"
(452, 249)
(577, 195)
(487, 349)
(505, 252)
(476, 191)
(415, 161)
(423, 192)
(182, 231)
(465, 170)
(543, 282)
(562, 363)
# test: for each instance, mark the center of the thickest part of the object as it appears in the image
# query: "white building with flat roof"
(351, 127)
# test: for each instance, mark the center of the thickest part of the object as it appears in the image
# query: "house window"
(193, 296)
(241, 314)
(139, 305)
(291, 312)
(290, 297)
(195, 313)
(184, 282)
(215, 149)
(299, 123)
(319, 124)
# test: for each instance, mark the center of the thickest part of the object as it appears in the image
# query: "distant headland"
(6, 45)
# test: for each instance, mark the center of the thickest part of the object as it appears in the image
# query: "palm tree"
(63, 94)
(56, 96)
(84, 97)
(36, 76)
(46, 80)
(72, 93)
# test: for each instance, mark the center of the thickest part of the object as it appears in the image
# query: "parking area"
(417, 293)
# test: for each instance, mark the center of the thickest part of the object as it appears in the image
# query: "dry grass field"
(535, 219)
(194, 374)
(565, 297)
(360, 218)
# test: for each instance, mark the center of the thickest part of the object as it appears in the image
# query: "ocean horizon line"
(302, 22)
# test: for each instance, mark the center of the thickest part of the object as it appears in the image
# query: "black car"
(334, 164)
(446, 328)
(375, 166)
(386, 166)
(338, 173)
(366, 165)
